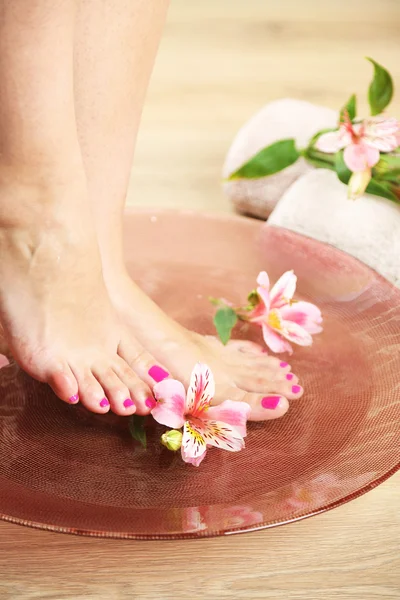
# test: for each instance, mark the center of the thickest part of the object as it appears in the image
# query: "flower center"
(274, 320)
(193, 432)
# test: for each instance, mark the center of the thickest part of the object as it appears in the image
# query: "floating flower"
(222, 426)
(282, 319)
(362, 143)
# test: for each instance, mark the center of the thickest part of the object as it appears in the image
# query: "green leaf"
(137, 430)
(380, 91)
(270, 160)
(383, 189)
(341, 169)
(225, 320)
(351, 107)
(318, 159)
(388, 167)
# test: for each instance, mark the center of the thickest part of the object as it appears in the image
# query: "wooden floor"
(220, 60)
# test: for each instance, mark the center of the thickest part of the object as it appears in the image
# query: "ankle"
(28, 198)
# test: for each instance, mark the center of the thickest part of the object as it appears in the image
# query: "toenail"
(150, 402)
(104, 403)
(283, 365)
(128, 403)
(270, 402)
(158, 374)
(296, 389)
(289, 376)
(74, 399)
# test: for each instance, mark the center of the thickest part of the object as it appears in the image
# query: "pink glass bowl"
(64, 469)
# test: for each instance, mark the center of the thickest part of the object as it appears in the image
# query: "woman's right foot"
(57, 318)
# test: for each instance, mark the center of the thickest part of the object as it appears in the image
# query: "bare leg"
(54, 308)
(115, 47)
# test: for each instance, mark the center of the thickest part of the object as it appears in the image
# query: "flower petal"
(333, 141)
(193, 447)
(381, 126)
(359, 157)
(201, 390)
(296, 334)
(220, 435)
(274, 341)
(283, 290)
(263, 290)
(170, 408)
(305, 314)
(232, 413)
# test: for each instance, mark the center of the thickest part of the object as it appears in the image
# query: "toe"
(258, 379)
(116, 391)
(143, 363)
(90, 392)
(140, 392)
(264, 407)
(64, 385)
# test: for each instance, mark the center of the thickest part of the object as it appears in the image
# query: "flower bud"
(358, 183)
(172, 439)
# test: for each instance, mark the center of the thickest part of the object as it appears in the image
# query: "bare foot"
(54, 308)
(242, 370)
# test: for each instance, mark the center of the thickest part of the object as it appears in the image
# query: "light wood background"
(222, 60)
(219, 61)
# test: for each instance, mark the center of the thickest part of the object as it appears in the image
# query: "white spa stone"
(285, 118)
(316, 205)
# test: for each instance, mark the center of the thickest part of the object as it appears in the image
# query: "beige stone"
(286, 118)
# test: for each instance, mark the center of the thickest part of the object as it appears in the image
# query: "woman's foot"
(55, 311)
(242, 371)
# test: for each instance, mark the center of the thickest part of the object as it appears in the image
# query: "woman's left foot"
(242, 370)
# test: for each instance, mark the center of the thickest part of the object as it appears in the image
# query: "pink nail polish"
(74, 399)
(128, 403)
(150, 402)
(296, 389)
(104, 403)
(283, 364)
(158, 374)
(289, 376)
(270, 402)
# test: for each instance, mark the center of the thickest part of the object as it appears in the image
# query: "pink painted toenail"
(128, 403)
(150, 403)
(296, 389)
(283, 365)
(74, 399)
(158, 374)
(104, 403)
(270, 402)
(289, 376)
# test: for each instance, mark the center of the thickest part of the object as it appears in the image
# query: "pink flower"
(282, 319)
(362, 142)
(222, 426)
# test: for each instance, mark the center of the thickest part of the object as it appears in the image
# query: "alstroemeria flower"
(222, 426)
(282, 319)
(362, 142)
